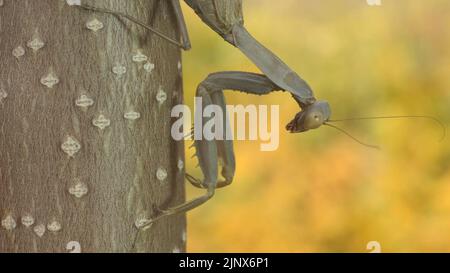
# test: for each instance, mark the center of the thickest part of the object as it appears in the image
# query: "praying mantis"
(225, 17)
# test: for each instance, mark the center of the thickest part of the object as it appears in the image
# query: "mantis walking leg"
(210, 151)
(185, 44)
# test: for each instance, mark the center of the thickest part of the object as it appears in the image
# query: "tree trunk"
(85, 144)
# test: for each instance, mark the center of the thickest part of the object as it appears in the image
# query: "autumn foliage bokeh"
(320, 191)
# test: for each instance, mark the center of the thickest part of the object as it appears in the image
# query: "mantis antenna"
(444, 129)
(352, 137)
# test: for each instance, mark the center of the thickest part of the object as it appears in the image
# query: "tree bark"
(85, 144)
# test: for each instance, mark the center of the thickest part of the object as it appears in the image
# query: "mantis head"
(311, 117)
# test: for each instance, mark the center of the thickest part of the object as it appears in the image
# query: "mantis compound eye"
(313, 120)
(311, 117)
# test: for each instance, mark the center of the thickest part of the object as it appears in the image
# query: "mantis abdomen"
(220, 15)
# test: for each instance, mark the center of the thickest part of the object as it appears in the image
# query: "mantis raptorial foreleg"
(213, 87)
(208, 161)
(210, 151)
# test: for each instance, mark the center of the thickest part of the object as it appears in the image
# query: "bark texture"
(85, 145)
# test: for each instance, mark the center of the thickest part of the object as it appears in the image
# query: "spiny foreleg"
(209, 152)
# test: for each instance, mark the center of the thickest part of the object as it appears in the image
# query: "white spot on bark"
(9, 223)
(71, 146)
(94, 25)
(73, 247)
(141, 222)
(73, 2)
(79, 189)
(54, 226)
(180, 164)
(161, 97)
(3, 95)
(132, 115)
(176, 250)
(119, 70)
(139, 57)
(149, 67)
(36, 43)
(18, 52)
(184, 236)
(161, 174)
(27, 220)
(101, 122)
(39, 230)
(179, 66)
(84, 102)
(50, 80)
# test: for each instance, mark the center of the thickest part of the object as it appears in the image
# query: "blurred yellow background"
(320, 191)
